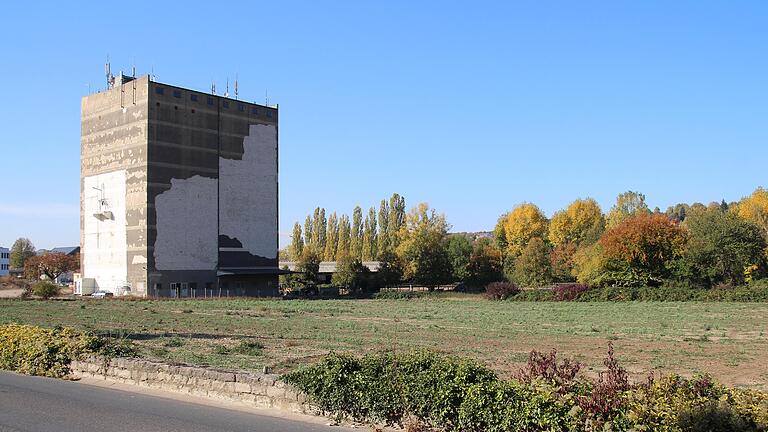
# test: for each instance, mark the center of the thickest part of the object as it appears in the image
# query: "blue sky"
(472, 107)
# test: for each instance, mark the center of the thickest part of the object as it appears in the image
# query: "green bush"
(388, 387)
(754, 292)
(454, 394)
(45, 289)
(399, 295)
(48, 352)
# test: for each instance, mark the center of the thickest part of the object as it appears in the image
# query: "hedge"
(756, 292)
(454, 394)
(48, 352)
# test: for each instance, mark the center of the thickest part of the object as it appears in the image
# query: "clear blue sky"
(470, 106)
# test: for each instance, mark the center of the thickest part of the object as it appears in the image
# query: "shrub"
(48, 352)
(454, 394)
(569, 292)
(501, 290)
(561, 375)
(398, 295)
(45, 289)
(389, 387)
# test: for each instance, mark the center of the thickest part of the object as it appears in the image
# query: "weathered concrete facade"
(178, 192)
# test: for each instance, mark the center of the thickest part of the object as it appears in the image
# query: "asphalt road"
(34, 404)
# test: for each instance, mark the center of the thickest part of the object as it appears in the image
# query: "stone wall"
(258, 390)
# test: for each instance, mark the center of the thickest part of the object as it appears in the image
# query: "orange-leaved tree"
(642, 248)
(51, 265)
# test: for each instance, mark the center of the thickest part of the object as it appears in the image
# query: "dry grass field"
(728, 340)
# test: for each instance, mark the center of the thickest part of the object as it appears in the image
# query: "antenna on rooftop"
(266, 97)
(108, 73)
(226, 91)
(235, 86)
(213, 87)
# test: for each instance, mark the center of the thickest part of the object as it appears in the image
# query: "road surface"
(34, 404)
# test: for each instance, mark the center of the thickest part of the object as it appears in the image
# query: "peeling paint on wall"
(187, 237)
(247, 188)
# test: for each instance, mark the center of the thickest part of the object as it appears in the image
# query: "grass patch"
(297, 332)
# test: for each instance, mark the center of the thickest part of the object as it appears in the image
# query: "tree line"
(696, 245)
(360, 239)
(630, 245)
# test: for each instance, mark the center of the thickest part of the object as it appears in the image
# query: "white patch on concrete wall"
(187, 238)
(248, 187)
(104, 230)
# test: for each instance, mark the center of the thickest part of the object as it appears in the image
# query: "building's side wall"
(212, 164)
(113, 146)
(104, 233)
(5, 255)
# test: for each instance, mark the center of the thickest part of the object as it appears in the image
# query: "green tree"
(308, 235)
(344, 236)
(533, 267)
(422, 249)
(627, 205)
(396, 220)
(722, 246)
(356, 236)
(500, 234)
(485, 264)
(309, 268)
(390, 270)
(369, 236)
(297, 242)
(320, 229)
(459, 251)
(678, 212)
(351, 274)
(21, 250)
(382, 240)
(331, 238)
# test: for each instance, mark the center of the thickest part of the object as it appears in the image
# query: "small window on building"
(210, 101)
(193, 98)
(254, 110)
(225, 104)
(240, 107)
(159, 90)
(177, 94)
(269, 113)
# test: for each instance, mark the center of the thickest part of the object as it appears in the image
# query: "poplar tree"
(369, 235)
(356, 236)
(321, 228)
(344, 232)
(297, 243)
(308, 231)
(396, 219)
(331, 238)
(382, 243)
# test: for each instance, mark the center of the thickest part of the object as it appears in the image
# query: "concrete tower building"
(178, 192)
